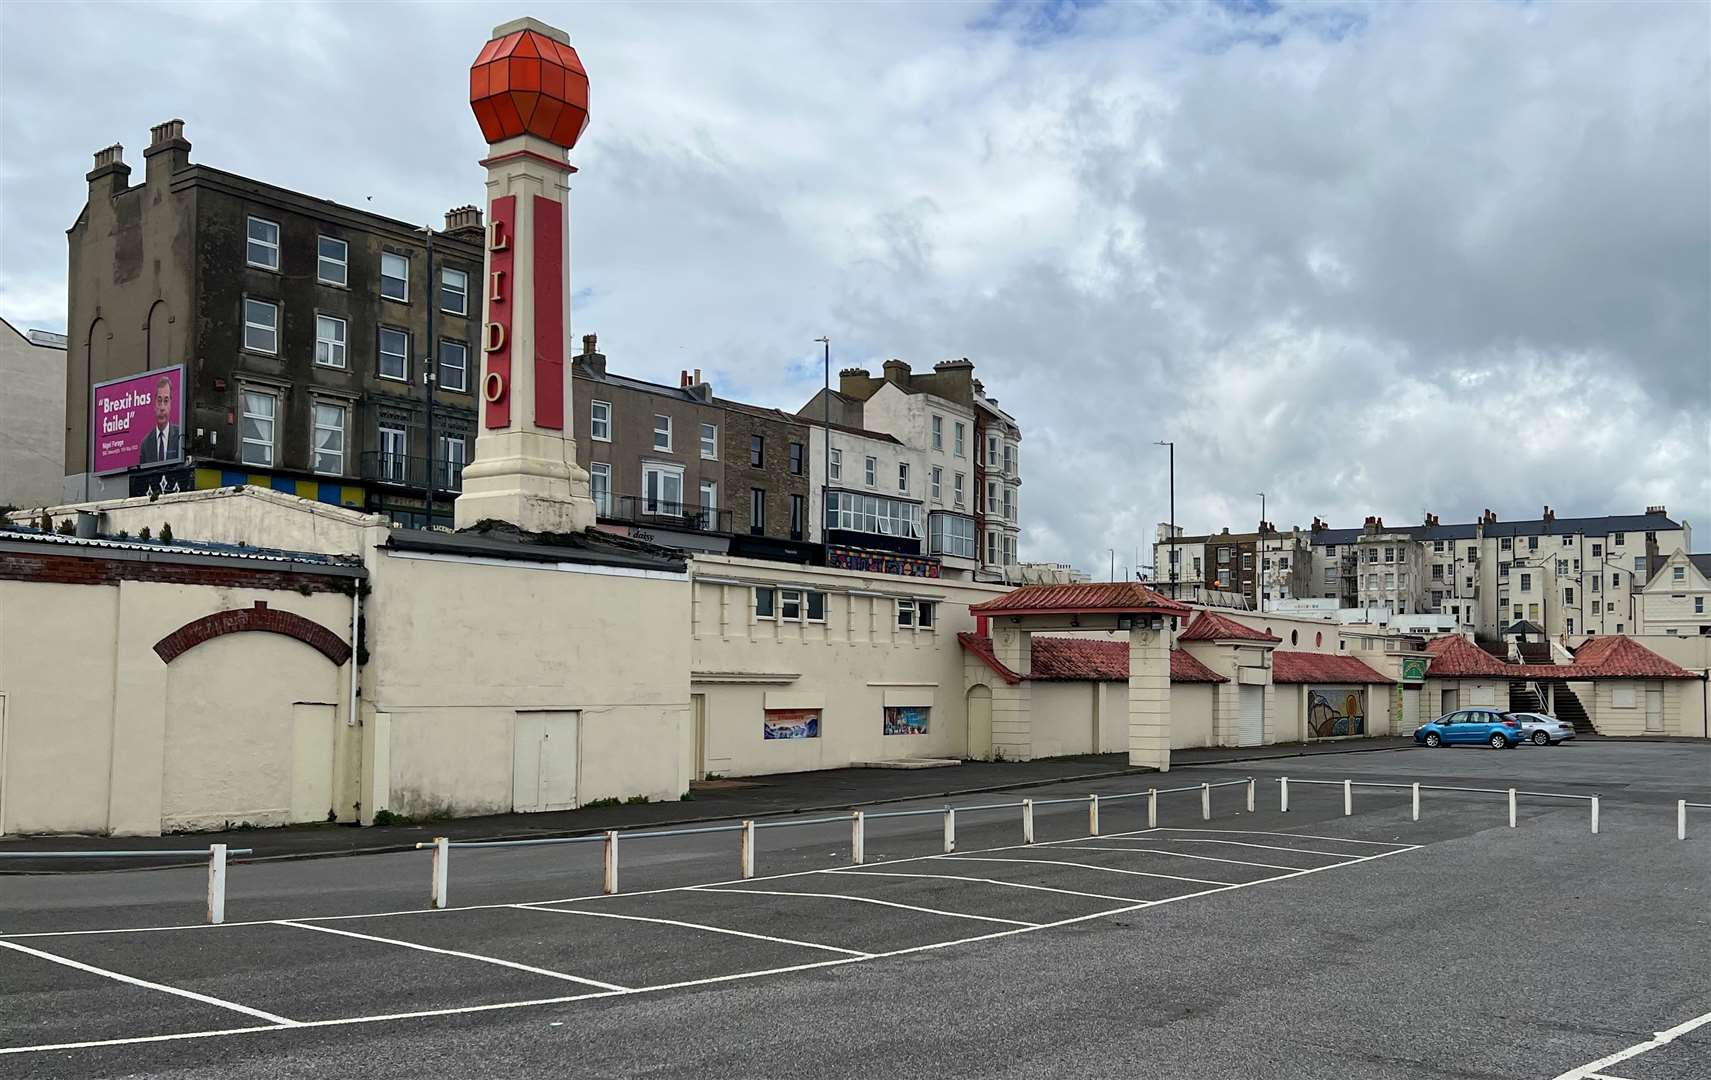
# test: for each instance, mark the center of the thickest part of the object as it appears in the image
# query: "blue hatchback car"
(1473, 727)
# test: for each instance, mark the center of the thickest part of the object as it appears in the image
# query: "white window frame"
(268, 247)
(959, 440)
(394, 446)
(323, 260)
(316, 427)
(709, 442)
(333, 348)
(653, 501)
(936, 483)
(271, 419)
(251, 324)
(658, 431)
(462, 369)
(905, 614)
(600, 487)
(788, 598)
(709, 494)
(385, 277)
(959, 490)
(462, 291)
(380, 354)
(903, 477)
(835, 465)
(600, 420)
(993, 442)
(938, 426)
(870, 471)
(461, 458)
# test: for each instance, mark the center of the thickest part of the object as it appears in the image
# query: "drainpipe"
(351, 719)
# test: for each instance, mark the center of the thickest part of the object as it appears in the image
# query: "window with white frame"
(262, 246)
(600, 421)
(709, 503)
(394, 454)
(329, 341)
(454, 365)
(913, 614)
(765, 604)
(261, 326)
(261, 412)
(903, 477)
(454, 292)
(1012, 459)
(957, 485)
(332, 261)
(957, 441)
(709, 442)
(662, 432)
(394, 354)
(662, 488)
(936, 483)
(790, 605)
(1009, 504)
(600, 487)
(992, 552)
(873, 514)
(870, 471)
(1678, 573)
(835, 465)
(992, 443)
(952, 534)
(394, 277)
(454, 455)
(816, 607)
(329, 438)
(938, 432)
(991, 506)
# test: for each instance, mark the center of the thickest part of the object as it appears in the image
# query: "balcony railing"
(411, 472)
(661, 514)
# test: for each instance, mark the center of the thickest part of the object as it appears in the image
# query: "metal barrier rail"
(214, 853)
(441, 846)
(1681, 816)
(1348, 787)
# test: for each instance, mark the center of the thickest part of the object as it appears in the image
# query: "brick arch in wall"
(257, 619)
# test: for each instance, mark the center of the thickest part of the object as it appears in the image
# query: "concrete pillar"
(1149, 698)
(1012, 705)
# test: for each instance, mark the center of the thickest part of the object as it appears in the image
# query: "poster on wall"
(791, 724)
(1333, 711)
(138, 422)
(906, 719)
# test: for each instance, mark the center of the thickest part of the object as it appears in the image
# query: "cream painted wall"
(1063, 717)
(92, 711)
(1190, 715)
(1618, 706)
(854, 662)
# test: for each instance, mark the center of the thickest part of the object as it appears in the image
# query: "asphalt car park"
(1264, 943)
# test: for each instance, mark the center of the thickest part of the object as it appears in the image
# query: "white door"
(1451, 701)
(543, 762)
(1251, 730)
(1410, 710)
(313, 729)
(1654, 710)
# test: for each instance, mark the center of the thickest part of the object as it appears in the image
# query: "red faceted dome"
(525, 83)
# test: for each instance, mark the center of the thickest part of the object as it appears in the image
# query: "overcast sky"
(1441, 257)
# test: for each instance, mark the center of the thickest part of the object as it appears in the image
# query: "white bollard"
(1595, 814)
(216, 883)
(950, 829)
(1348, 798)
(1251, 794)
(1205, 802)
(1093, 815)
(1152, 808)
(442, 855)
(1027, 821)
(1511, 808)
(746, 853)
(1416, 808)
(858, 837)
(611, 885)
(1283, 794)
(1681, 820)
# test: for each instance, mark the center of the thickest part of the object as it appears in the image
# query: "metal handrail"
(201, 853)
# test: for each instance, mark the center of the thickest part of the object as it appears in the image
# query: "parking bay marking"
(467, 1009)
(496, 961)
(1180, 855)
(1661, 1038)
(694, 926)
(1089, 866)
(872, 900)
(276, 1020)
(988, 881)
(1268, 847)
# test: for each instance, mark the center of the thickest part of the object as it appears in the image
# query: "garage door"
(543, 762)
(1251, 730)
(1410, 710)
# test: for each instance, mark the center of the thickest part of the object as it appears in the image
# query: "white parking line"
(1184, 855)
(1301, 835)
(145, 984)
(871, 900)
(1661, 1038)
(1091, 866)
(989, 881)
(494, 960)
(1267, 847)
(693, 926)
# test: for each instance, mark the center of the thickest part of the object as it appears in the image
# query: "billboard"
(138, 421)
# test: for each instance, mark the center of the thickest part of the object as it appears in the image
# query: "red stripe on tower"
(496, 335)
(549, 313)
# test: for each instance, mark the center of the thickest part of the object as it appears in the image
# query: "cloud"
(1366, 259)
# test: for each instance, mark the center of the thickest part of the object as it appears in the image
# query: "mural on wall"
(791, 724)
(1335, 710)
(906, 719)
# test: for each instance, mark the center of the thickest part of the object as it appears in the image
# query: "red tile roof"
(1058, 659)
(1617, 656)
(1210, 626)
(1108, 597)
(1312, 667)
(1455, 657)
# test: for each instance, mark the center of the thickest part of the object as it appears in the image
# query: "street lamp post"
(1170, 554)
(1259, 589)
(826, 419)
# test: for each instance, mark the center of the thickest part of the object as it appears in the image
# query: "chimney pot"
(166, 131)
(110, 155)
(459, 218)
(896, 371)
(589, 341)
(111, 176)
(683, 377)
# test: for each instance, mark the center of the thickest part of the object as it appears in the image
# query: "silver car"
(1543, 730)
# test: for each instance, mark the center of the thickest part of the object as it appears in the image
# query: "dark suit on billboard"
(159, 446)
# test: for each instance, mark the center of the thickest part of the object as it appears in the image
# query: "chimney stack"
(852, 382)
(897, 371)
(168, 152)
(463, 218)
(592, 359)
(1550, 515)
(1659, 509)
(109, 166)
(955, 380)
